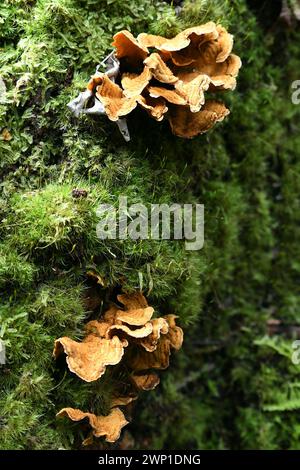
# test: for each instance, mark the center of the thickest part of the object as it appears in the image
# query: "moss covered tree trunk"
(234, 384)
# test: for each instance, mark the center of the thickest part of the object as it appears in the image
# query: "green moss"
(15, 271)
(56, 306)
(49, 218)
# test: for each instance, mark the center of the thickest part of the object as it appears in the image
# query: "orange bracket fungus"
(125, 334)
(89, 359)
(109, 426)
(168, 78)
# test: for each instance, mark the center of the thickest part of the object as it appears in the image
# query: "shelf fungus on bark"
(168, 78)
(137, 312)
(187, 124)
(128, 326)
(109, 426)
(175, 333)
(141, 332)
(123, 400)
(145, 381)
(159, 326)
(88, 359)
(157, 355)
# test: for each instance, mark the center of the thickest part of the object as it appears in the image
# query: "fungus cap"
(88, 359)
(109, 426)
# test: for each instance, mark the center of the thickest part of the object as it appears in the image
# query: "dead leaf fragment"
(6, 135)
(109, 426)
(96, 277)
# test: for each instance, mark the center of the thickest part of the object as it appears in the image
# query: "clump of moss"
(56, 306)
(15, 271)
(50, 217)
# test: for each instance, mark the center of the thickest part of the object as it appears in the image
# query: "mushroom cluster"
(147, 342)
(169, 78)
